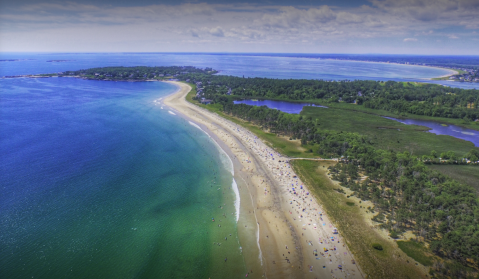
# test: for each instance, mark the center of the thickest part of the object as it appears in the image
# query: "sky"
(432, 27)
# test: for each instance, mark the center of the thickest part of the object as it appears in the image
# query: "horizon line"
(228, 52)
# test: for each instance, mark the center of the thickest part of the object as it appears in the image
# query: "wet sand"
(284, 232)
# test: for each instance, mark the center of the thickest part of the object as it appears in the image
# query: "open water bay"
(97, 181)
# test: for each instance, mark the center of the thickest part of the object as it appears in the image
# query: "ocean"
(98, 181)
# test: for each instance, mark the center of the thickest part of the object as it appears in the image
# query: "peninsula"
(349, 197)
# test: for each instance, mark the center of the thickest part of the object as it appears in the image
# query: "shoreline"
(451, 71)
(275, 224)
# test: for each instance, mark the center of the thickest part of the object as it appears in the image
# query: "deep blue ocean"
(97, 181)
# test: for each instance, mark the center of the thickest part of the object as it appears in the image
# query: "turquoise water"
(99, 182)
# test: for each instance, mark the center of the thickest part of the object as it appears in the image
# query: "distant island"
(14, 60)
(138, 73)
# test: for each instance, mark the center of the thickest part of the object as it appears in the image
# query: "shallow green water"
(99, 182)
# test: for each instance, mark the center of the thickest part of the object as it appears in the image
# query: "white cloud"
(217, 32)
(452, 36)
(232, 24)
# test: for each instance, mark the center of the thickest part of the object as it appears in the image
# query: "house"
(206, 101)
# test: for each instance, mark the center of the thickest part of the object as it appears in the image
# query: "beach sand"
(278, 229)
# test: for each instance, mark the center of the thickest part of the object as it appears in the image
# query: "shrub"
(377, 246)
(394, 234)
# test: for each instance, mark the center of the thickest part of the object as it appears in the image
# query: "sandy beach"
(282, 228)
(451, 71)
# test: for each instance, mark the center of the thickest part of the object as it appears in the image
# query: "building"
(206, 101)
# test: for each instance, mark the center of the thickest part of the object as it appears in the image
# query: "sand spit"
(295, 236)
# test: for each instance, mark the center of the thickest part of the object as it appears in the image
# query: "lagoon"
(288, 107)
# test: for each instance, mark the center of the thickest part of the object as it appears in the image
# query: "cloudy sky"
(301, 26)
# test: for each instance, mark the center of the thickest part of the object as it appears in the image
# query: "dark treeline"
(424, 99)
(135, 73)
(407, 195)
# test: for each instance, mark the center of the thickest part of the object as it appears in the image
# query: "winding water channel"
(436, 127)
(288, 107)
(442, 129)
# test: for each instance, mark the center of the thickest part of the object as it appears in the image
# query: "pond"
(442, 129)
(288, 107)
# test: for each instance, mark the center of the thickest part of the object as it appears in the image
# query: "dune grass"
(417, 251)
(359, 236)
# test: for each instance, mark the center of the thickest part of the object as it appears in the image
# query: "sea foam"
(228, 163)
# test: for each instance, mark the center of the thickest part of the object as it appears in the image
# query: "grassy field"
(465, 174)
(347, 106)
(417, 251)
(453, 121)
(386, 133)
(356, 231)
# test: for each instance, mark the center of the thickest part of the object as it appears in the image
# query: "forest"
(138, 73)
(398, 97)
(406, 193)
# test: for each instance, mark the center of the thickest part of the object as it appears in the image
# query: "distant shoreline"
(452, 71)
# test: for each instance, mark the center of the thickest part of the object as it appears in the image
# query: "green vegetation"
(397, 97)
(284, 145)
(385, 133)
(406, 193)
(352, 107)
(465, 174)
(417, 251)
(357, 233)
(139, 73)
(412, 197)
